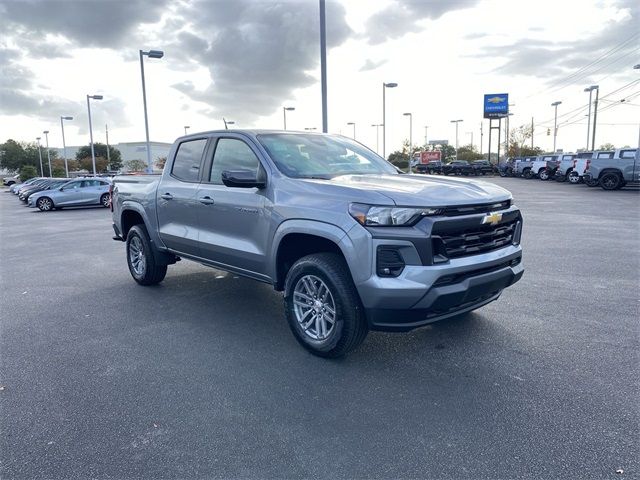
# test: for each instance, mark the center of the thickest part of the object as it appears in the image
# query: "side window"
(232, 154)
(628, 154)
(72, 186)
(186, 166)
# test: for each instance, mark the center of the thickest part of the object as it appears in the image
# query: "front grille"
(473, 209)
(480, 239)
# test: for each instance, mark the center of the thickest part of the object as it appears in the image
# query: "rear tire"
(140, 259)
(611, 181)
(592, 183)
(574, 177)
(543, 174)
(105, 200)
(319, 290)
(526, 173)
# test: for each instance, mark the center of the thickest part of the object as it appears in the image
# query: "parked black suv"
(483, 167)
(458, 167)
(430, 168)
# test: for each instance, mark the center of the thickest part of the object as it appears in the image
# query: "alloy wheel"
(314, 307)
(136, 256)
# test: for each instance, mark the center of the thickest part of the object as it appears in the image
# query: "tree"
(87, 164)
(160, 162)
(27, 172)
(135, 165)
(468, 153)
(400, 159)
(607, 146)
(100, 150)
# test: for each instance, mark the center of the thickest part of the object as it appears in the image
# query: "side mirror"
(61, 189)
(243, 179)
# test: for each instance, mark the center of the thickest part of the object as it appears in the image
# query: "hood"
(421, 190)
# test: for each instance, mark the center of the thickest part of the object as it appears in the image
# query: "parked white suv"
(545, 166)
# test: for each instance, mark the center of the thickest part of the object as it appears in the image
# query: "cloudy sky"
(246, 59)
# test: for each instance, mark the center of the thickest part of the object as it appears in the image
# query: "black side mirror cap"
(242, 179)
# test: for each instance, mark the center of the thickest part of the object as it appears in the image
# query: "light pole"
(595, 118)
(186, 127)
(323, 67)
(64, 144)
(590, 90)
(46, 136)
(353, 124)
(40, 155)
(456, 122)
(284, 113)
(555, 124)
(106, 134)
(408, 114)
(227, 123)
(426, 138)
(377, 125)
(93, 153)
(150, 54)
(384, 113)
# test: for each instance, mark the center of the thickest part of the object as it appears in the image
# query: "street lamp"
(186, 127)
(408, 114)
(555, 123)
(46, 136)
(377, 125)
(456, 122)
(384, 120)
(150, 54)
(284, 113)
(595, 118)
(64, 145)
(40, 155)
(426, 129)
(227, 123)
(354, 128)
(93, 153)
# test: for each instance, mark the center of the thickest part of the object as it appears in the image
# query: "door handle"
(166, 196)
(206, 200)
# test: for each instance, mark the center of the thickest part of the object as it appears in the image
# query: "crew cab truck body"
(582, 161)
(354, 244)
(523, 167)
(614, 173)
(545, 166)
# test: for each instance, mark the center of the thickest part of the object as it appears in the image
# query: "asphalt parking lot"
(200, 377)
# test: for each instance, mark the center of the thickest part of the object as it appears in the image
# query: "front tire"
(44, 204)
(611, 181)
(527, 173)
(574, 178)
(142, 264)
(322, 306)
(592, 183)
(543, 174)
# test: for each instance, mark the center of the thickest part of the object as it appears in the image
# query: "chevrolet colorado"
(354, 244)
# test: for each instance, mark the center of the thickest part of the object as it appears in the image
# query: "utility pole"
(481, 137)
(532, 128)
(595, 116)
(555, 124)
(426, 138)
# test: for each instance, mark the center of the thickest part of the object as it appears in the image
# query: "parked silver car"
(78, 192)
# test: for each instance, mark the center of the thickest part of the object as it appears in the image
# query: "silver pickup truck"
(354, 244)
(614, 171)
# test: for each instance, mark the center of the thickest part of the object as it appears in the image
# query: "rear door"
(234, 222)
(176, 198)
(92, 190)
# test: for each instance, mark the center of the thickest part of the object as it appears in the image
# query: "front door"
(234, 222)
(176, 198)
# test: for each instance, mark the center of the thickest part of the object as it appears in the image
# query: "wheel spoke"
(303, 295)
(314, 307)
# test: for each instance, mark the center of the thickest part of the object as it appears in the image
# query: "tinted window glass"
(72, 185)
(186, 165)
(605, 155)
(232, 154)
(627, 154)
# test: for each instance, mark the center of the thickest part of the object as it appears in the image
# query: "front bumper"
(426, 294)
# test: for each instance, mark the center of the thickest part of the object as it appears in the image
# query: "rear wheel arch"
(128, 219)
(610, 170)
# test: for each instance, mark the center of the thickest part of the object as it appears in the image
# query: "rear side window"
(186, 166)
(232, 154)
(605, 155)
(628, 154)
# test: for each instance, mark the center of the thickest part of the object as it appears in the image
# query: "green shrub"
(27, 172)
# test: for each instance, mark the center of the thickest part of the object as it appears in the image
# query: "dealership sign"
(426, 157)
(496, 105)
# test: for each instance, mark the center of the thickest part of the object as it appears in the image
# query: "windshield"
(321, 156)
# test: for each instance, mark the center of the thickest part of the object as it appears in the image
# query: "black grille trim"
(473, 209)
(473, 241)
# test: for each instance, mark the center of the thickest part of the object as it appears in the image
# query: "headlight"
(375, 216)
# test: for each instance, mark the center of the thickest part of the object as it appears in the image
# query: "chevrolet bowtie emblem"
(492, 218)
